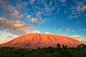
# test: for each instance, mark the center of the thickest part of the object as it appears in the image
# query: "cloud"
(46, 7)
(78, 8)
(13, 24)
(43, 20)
(28, 16)
(78, 37)
(18, 6)
(72, 30)
(10, 20)
(50, 3)
(4, 41)
(62, 1)
(1, 15)
(31, 1)
(10, 37)
(5, 37)
(34, 20)
(16, 15)
(58, 31)
(9, 8)
(80, 29)
(47, 33)
(83, 29)
(0, 20)
(17, 27)
(70, 17)
(67, 29)
(25, 3)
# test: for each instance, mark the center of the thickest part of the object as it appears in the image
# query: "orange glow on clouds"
(78, 37)
(4, 41)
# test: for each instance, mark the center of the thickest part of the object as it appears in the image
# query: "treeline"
(79, 51)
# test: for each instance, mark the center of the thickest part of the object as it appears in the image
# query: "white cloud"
(47, 33)
(5, 37)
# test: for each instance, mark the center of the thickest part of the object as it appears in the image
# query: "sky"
(59, 17)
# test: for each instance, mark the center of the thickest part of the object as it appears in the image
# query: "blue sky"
(60, 17)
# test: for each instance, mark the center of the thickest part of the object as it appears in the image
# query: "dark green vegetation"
(79, 51)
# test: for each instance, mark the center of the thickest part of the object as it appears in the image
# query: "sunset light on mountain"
(33, 41)
(64, 18)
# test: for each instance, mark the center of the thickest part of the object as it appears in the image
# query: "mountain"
(33, 41)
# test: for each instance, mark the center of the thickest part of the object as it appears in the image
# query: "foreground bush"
(80, 51)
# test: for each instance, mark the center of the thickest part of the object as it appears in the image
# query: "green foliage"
(44, 52)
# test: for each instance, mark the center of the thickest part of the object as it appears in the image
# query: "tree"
(58, 45)
(78, 47)
(39, 48)
(64, 47)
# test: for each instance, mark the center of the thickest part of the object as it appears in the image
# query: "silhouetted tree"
(50, 48)
(39, 48)
(84, 46)
(78, 47)
(58, 45)
(65, 47)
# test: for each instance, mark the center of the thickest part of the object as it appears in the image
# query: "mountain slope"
(33, 41)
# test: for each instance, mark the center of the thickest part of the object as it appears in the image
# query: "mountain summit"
(33, 41)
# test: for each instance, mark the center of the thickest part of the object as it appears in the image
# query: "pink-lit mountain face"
(33, 41)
